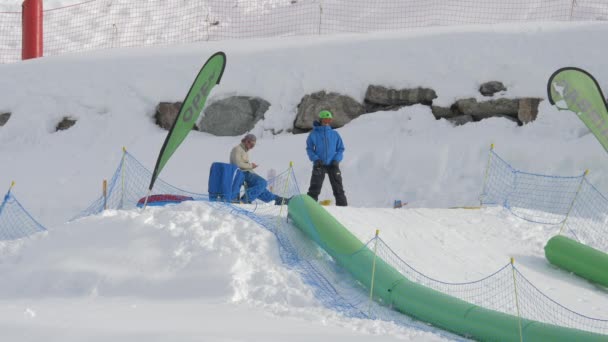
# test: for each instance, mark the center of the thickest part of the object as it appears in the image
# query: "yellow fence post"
(573, 201)
(485, 178)
(521, 338)
(371, 287)
(6, 196)
(8, 192)
(105, 194)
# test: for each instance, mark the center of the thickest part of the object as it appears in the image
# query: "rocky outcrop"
(445, 112)
(65, 123)
(344, 109)
(528, 109)
(379, 98)
(233, 116)
(491, 88)
(487, 109)
(166, 112)
(4, 118)
(520, 110)
(237, 115)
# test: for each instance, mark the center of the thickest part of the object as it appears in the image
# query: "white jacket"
(240, 158)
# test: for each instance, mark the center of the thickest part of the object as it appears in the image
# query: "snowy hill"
(190, 272)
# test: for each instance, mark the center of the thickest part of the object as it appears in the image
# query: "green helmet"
(325, 114)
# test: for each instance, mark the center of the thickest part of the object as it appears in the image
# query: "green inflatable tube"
(413, 299)
(577, 258)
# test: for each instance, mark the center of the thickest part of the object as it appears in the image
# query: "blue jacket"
(324, 143)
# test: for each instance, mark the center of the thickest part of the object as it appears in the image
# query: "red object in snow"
(160, 200)
(31, 26)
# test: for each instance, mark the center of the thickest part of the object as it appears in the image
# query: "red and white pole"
(31, 35)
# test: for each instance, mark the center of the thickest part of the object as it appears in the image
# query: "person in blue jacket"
(325, 149)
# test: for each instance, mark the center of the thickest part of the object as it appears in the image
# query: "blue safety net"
(588, 219)
(15, 221)
(533, 197)
(506, 290)
(129, 185)
(572, 202)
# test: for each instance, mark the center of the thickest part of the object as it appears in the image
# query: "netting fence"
(15, 221)
(572, 202)
(507, 291)
(588, 218)
(129, 185)
(103, 24)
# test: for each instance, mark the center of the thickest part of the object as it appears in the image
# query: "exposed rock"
(4, 118)
(233, 116)
(491, 88)
(444, 112)
(382, 98)
(166, 112)
(486, 109)
(370, 107)
(344, 109)
(65, 124)
(528, 109)
(460, 120)
(237, 115)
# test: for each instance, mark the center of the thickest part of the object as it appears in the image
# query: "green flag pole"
(192, 106)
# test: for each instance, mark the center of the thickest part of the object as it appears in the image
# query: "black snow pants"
(335, 179)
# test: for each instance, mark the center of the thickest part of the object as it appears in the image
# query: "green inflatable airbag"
(577, 258)
(413, 299)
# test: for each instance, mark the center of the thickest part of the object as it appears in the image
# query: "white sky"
(191, 272)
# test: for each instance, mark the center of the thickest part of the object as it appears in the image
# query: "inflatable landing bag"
(577, 258)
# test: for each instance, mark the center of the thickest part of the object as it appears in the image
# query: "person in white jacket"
(255, 184)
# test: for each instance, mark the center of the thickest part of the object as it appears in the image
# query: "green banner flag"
(193, 104)
(576, 90)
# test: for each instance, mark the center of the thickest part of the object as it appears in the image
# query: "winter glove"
(335, 163)
(318, 163)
